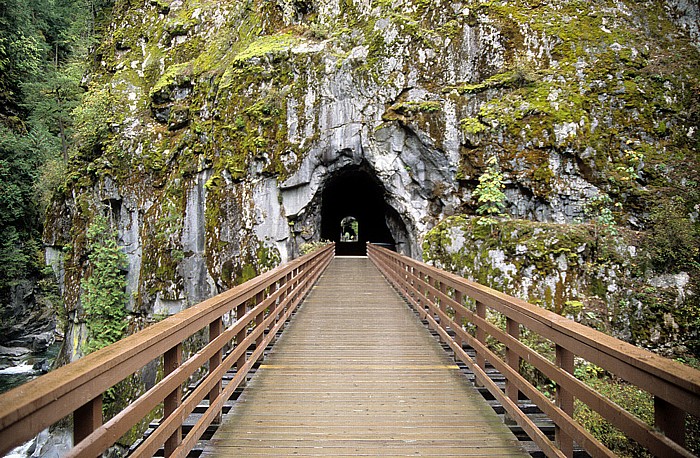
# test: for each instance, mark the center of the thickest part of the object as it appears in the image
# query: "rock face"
(222, 123)
(27, 325)
(581, 271)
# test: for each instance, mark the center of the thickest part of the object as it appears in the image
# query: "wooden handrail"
(263, 304)
(439, 298)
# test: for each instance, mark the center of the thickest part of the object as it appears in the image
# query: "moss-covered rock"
(591, 273)
(211, 128)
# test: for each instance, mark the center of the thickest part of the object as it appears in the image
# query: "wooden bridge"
(354, 374)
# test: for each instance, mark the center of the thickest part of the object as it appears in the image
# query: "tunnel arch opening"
(355, 193)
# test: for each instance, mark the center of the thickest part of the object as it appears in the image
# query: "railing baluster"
(670, 420)
(260, 317)
(273, 306)
(171, 361)
(481, 335)
(512, 358)
(565, 400)
(240, 311)
(215, 328)
(459, 317)
(86, 419)
(442, 305)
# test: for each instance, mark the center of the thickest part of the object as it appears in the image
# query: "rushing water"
(12, 377)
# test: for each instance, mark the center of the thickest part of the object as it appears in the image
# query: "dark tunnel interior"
(355, 193)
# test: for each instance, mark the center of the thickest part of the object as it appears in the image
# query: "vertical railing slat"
(215, 328)
(459, 316)
(512, 358)
(171, 361)
(87, 419)
(565, 400)
(670, 420)
(259, 298)
(481, 335)
(240, 311)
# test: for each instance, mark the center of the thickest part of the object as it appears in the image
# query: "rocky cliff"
(220, 136)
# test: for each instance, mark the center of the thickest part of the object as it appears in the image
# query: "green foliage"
(600, 209)
(52, 179)
(266, 45)
(672, 242)
(93, 118)
(472, 126)
(105, 299)
(489, 194)
(18, 213)
(630, 398)
(310, 247)
(520, 76)
(42, 46)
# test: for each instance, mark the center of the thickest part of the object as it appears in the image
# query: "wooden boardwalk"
(357, 374)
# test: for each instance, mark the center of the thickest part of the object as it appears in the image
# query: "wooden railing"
(441, 298)
(261, 307)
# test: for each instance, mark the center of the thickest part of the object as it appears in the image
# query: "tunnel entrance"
(353, 201)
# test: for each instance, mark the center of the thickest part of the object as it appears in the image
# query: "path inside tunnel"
(355, 193)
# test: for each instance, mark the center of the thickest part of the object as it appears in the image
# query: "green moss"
(173, 75)
(248, 272)
(509, 79)
(472, 126)
(266, 45)
(538, 248)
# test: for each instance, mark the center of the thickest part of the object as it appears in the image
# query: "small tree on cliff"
(489, 193)
(104, 300)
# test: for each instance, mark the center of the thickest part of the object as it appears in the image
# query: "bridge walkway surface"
(357, 374)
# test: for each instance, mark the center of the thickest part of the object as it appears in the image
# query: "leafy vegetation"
(43, 49)
(629, 397)
(104, 301)
(672, 242)
(489, 193)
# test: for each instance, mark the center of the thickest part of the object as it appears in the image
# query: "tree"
(18, 212)
(105, 299)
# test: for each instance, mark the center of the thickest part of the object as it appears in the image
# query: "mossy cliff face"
(211, 128)
(590, 273)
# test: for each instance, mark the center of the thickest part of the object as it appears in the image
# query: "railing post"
(512, 359)
(280, 300)
(670, 420)
(87, 419)
(273, 306)
(565, 401)
(215, 328)
(259, 298)
(459, 318)
(443, 305)
(171, 361)
(240, 311)
(480, 337)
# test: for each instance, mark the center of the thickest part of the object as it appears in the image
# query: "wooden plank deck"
(357, 374)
